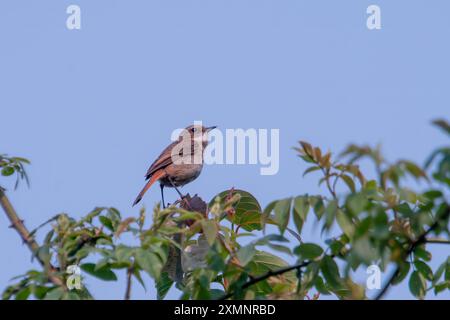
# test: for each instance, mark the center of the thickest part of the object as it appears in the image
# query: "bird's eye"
(194, 129)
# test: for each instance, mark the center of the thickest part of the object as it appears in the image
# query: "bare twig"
(129, 278)
(437, 241)
(326, 174)
(17, 224)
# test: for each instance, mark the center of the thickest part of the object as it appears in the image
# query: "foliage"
(367, 221)
(14, 165)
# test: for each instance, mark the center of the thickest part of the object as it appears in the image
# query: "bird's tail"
(155, 177)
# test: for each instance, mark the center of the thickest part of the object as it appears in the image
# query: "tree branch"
(129, 278)
(17, 224)
(266, 276)
(437, 241)
(328, 184)
(421, 240)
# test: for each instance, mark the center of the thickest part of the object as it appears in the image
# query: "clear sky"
(92, 108)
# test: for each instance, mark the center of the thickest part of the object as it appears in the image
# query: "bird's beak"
(210, 128)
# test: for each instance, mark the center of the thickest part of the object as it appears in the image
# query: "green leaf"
(345, 223)
(307, 159)
(104, 273)
(7, 171)
(101, 264)
(49, 237)
(330, 214)
(438, 288)
(40, 292)
(266, 213)
(417, 285)
(371, 185)
(309, 251)
(318, 206)
(301, 208)
(404, 209)
(106, 222)
(149, 262)
(23, 294)
(249, 221)
(414, 170)
(137, 275)
(330, 271)
(447, 270)
(364, 249)
(363, 227)
(356, 203)
(216, 294)
(20, 159)
(349, 182)
(163, 285)
(336, 246)
(439, 272)
(403, 273)
(189, 216)
(311, 169)
(263, 262)
(71, 295)
(424, 269)
(54, 294)
(442, 124)
(420, 252)
(44, 253)
(247, 202)
(123, 254)
(91, 215)
(245, 254)
(282, 211)
(115, 217)
(210, 231)
(280, 248)
(433, 194)
(381, 225)
(84, 252)
(320, 286)
(215, 261)
(307, 279)
(270, 237)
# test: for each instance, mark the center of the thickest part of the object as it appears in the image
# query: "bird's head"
(197, 132)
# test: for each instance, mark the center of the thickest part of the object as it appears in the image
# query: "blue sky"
(92, 108)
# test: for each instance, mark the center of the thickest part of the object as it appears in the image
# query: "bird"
(180, 163)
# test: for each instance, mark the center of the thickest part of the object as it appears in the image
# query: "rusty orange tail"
(155, 177)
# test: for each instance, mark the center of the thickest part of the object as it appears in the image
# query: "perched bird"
(180, 163)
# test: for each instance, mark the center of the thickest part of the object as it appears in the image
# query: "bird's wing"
(165, 158)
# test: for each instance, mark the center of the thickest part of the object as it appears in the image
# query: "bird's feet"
(184, 201)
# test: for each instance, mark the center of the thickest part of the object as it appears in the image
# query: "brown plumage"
(180, 163)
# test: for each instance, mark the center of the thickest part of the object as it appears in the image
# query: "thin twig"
(17, 224)
(129, 278)
(421, 240)
(327, 182)
(437, 241)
